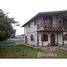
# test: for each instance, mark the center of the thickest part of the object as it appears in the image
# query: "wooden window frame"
(44, 38)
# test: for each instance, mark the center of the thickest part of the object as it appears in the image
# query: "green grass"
(57, 53)
(21, 51)
(17, 52)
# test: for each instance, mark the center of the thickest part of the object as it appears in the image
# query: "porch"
(50, 38)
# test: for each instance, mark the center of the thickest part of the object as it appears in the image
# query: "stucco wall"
(46, 42)
(60, 39)
(65, 41)
(29, 39)
(33, 28)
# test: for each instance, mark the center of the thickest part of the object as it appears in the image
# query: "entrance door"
(52, 38)
(26, 38)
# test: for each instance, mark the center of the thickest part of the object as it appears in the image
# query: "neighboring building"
(47, 29)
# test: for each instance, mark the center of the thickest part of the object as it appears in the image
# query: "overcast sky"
(23, 10)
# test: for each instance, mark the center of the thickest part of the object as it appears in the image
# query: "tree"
(6, 28)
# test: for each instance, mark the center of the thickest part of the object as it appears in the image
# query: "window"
(44, 37)
(29, 25)
(32, 38)
(34, 22)
(65, 37)
(59, 21)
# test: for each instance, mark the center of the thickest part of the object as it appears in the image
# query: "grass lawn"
(17, 52)
(21, 51)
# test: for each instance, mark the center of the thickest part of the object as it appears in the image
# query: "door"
(52, 39)
(26, 38)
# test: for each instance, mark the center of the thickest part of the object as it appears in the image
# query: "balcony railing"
(47, 25)
(52, 26)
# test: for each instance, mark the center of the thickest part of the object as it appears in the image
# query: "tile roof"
(51, 13)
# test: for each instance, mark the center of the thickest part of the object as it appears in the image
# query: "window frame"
(65, 37)
(29, 25)
(31, 37)
(44, 38)
(34, 22)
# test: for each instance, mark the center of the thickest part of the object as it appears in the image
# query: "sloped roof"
(51, 13)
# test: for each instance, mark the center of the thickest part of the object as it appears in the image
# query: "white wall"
(46, 42)
(60, 38)
(33, 28)
(29, 39)
(65, 41)
(35, 39)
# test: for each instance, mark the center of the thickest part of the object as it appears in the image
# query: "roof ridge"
(47, 13)
(53, 11)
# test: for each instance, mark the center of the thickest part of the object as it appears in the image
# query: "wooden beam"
(37, 39)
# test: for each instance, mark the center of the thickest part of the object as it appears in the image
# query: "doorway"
(52, 39)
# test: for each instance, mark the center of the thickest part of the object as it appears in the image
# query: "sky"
(23, 10)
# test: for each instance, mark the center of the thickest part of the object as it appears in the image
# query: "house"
(47, 29)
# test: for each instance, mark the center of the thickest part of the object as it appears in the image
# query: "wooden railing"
(52, 26)
(47, 25)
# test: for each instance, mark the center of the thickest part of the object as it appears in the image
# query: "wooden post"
(42, 40)
(37, 39)
(57, 32)
(63, 39)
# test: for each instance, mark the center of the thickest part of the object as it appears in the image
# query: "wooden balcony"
(53, 27)
(50, 27)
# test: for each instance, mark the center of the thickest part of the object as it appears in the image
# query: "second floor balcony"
(51, 27)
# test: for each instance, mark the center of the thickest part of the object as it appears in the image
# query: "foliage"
(6, 28)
